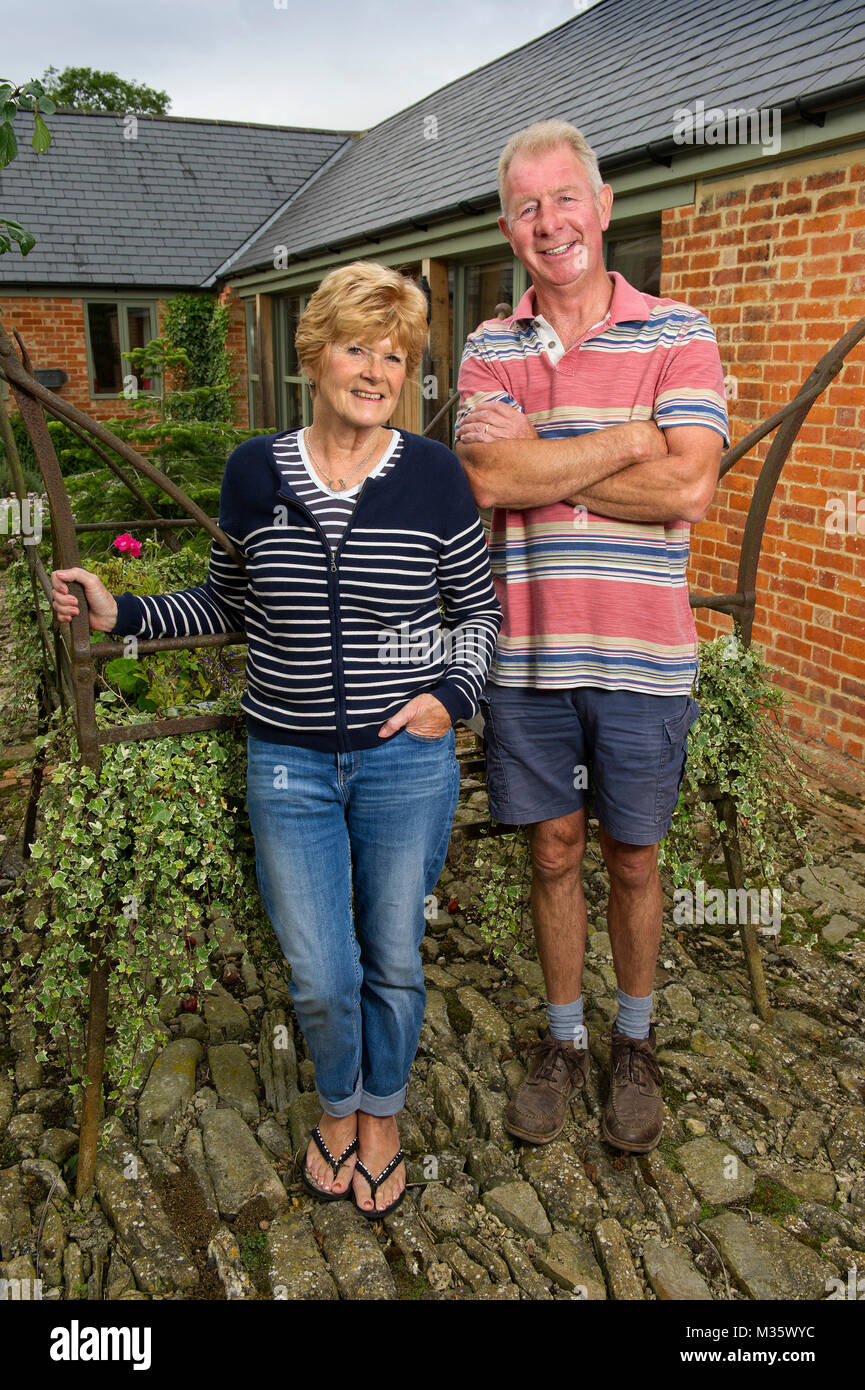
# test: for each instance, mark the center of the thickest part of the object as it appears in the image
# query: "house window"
(293, 404)
(637, 257)
(489, 288)
(480, 290)
(252, 372)
(114, 327)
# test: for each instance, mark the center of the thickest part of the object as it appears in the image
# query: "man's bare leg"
(634, 913)
(557, 902)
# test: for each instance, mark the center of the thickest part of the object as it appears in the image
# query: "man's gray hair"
(543, 136)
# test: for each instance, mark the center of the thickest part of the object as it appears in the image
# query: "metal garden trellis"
(68, 677)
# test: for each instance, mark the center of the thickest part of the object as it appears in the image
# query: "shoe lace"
(551, 1051)
(642, 1064)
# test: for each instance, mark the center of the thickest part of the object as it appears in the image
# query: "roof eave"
(809, 107)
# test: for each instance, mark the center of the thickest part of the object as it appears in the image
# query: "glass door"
(293, 404)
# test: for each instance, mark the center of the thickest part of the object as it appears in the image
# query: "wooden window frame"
(124, 303)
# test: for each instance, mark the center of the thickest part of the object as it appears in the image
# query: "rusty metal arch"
(68, 656)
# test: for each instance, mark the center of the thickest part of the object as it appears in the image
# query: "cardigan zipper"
(333, 593)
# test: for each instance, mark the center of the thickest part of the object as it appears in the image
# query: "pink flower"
(127, 542)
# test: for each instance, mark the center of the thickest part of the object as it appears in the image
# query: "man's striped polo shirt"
(589, 600)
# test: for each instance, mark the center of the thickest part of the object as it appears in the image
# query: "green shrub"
(133, 863)
(739, 745)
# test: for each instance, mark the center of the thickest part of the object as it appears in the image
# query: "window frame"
(253, 377)
(124, 303)
(283, 379)
(617, 233)
(520, 281)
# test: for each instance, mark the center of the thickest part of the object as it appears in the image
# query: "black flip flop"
(334, 1163)
(375, 1184)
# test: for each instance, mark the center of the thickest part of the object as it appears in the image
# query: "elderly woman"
(352, 533)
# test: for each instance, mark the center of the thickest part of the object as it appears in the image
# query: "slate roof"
(165, 209)
(618, 72)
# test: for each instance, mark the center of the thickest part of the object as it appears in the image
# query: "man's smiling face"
(554, 223)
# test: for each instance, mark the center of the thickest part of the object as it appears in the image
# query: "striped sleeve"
(217, 605)
(480, 378)
(472, 614)
(691, 387)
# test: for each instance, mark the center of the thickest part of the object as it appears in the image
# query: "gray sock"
(566, 1022)
(634, 1014)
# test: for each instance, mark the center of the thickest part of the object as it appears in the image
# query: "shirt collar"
(626, 305)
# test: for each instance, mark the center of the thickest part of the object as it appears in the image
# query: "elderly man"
(592, 420)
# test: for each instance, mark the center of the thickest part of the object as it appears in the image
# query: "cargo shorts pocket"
(674, 758)
(497, 782)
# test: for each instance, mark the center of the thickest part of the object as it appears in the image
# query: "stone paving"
(756, 1191)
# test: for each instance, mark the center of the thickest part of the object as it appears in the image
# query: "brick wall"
(777, 261)
(52, 329)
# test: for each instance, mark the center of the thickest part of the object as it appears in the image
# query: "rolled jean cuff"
(383, 1105)
(338, 1109)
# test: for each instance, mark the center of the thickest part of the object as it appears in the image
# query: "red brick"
(825, 180)
(732, 197)
(765, 190)
(842, 197)
(763, 213)
(792, 207)
(791, 246)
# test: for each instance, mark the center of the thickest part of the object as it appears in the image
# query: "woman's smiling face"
(359, 383)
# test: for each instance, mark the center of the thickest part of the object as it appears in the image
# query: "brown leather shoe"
(634, 1115)
(540, 1107)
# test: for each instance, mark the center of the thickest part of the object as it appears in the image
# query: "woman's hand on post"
(424, 715)
(101, 607)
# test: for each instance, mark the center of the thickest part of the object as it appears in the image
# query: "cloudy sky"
(344, 64)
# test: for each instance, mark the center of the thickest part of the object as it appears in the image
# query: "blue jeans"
(376, 823)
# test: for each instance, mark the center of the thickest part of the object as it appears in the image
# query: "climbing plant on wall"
(198, 324)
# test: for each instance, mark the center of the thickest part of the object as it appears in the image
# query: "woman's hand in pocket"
(424, 715)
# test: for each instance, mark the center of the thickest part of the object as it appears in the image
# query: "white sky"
(344, 64)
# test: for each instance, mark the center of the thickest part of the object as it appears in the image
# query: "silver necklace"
(336, 484)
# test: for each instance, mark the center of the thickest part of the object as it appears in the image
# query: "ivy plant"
(134, 863)
(739, 746)
(137, 861)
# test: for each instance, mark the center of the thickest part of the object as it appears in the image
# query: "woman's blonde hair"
(363, 302)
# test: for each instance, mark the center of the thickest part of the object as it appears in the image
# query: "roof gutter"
(375, 235)
(811, 108)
